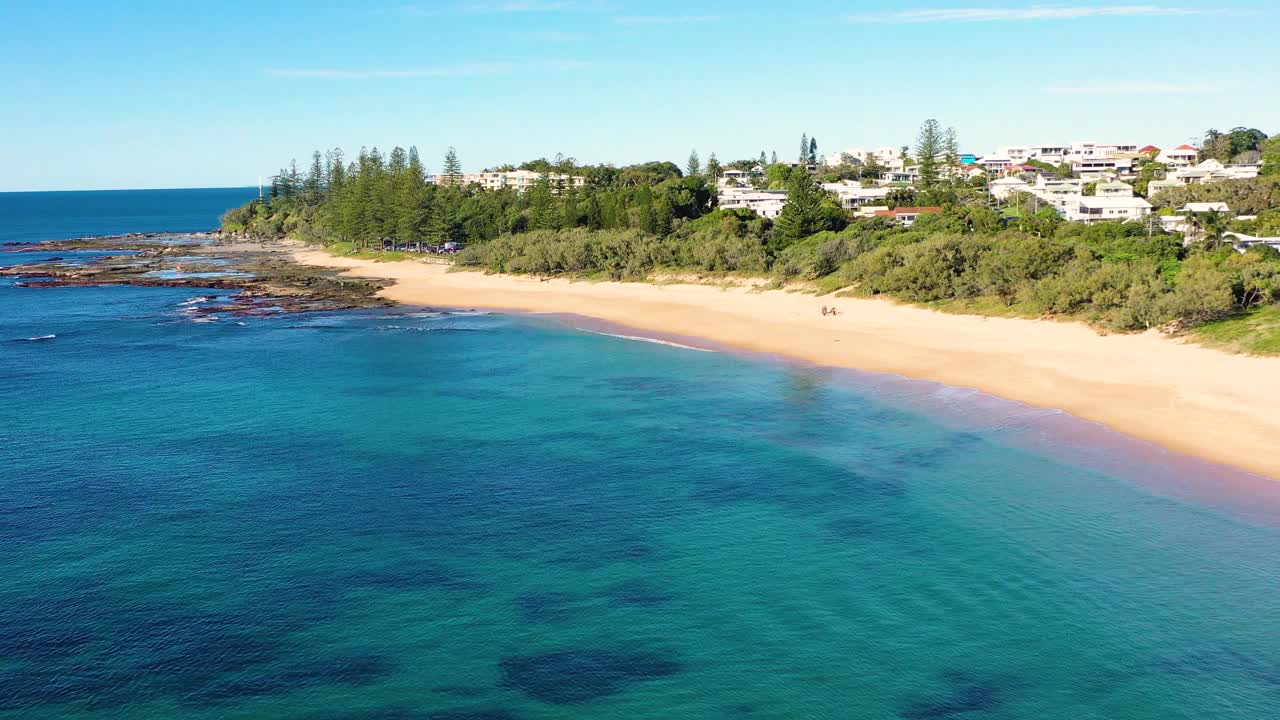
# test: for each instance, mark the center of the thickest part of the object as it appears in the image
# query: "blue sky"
(166, 94)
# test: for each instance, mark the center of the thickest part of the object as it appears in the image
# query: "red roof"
(1149, 148)
(1184, 147)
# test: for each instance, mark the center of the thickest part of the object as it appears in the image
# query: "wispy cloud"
(1034, 12)
(663, 19)
(426, 72)
(1129, 89)
(518, 6)
(552, 35)
(502, 6)
(443, 71)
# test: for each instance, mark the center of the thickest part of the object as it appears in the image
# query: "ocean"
(423, 513)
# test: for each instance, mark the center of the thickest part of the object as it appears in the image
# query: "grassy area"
(1256, 332)
(349, 249)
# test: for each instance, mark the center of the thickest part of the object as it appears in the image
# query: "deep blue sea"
(456, 515)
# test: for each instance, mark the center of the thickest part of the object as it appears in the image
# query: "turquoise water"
(418, 514)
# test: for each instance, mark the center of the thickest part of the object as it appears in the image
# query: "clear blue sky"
(168, 94)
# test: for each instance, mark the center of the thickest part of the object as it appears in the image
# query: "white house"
(1017, 154)
(1155, 186)
(1179, 157)
(1004, 187)
(1100, 167)
(1198, 207)
(1113, 189)
(1088, 209)
(1052, 154)
(853, 196)
(1243, 242)
(765, 203)
(838, 158)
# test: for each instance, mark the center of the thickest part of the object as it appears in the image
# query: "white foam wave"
(39, 338)
(655, 341)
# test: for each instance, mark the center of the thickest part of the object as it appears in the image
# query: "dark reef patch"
(568, 677)
(964, 694)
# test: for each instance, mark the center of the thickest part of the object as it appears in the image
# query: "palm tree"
(1209, 226)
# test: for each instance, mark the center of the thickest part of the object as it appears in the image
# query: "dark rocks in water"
(349, 670)
(567, 677)
(265, 282)
(965, 693)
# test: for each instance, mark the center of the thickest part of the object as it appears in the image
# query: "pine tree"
(813, 151)
(929, 150)
(951, 153)
(802, 215)
(804, 148)
(774, 161)
(663, 218)
(315, 178)
(542, 209)
(765, 161)
(713, 168)
(451, 171)
(336, 176)
(694, 166)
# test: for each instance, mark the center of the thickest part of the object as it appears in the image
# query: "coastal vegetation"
(633, 222)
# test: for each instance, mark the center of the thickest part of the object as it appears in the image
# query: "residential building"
(1015, 153)
(1052, 154)
(519, 180)
(1097, 168)
(1156, 186)
(995, 163)
(1088, 209)
(1004, 187)
(1180, 157)
(906, 216)
(1113, 189)
(1243, 242)
(1199, 207)
(765, 203)
(853, 195)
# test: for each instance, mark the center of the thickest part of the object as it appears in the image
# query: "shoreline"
(1194, 400)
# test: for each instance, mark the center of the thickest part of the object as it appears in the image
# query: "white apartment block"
(765, 203)
(1087, 209)
(853, 195)
(519, 180)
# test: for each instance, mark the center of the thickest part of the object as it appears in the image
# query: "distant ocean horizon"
(32, 216)
(435, 513)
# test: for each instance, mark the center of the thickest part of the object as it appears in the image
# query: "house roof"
(1206, 207)
(1149, 148)
(1184, 147)
(908, 211)
(1113, 202)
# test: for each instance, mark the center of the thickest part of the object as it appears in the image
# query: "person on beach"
(824, 311)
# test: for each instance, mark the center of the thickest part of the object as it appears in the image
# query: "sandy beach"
(1213, 405)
